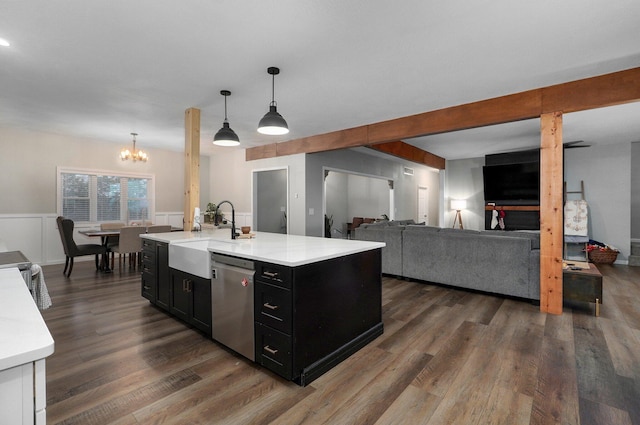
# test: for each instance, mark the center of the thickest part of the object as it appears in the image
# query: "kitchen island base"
(311, 317)
(315, 300)
(327, 363)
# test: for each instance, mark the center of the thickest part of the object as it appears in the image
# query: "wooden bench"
(583, 285)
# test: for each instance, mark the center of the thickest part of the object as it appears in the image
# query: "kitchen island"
(315, 301)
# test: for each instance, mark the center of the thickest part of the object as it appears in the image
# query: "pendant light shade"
(272, 123)
(226, 136)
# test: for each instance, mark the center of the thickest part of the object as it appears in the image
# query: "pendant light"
(226, 136)
(272, 123)
(135, 155)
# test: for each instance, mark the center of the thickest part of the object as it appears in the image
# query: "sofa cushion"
(468, 259)
(531, 235)
(392, 237)
(421, 229)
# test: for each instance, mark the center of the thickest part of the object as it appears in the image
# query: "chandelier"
(134, 155)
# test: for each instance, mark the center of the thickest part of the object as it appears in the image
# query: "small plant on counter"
(210, 215)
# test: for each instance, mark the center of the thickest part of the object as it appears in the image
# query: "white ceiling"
(102, 69)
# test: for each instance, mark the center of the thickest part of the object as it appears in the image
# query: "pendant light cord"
(273, 90)
(225, 108)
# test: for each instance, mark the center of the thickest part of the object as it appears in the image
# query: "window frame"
(93, 195)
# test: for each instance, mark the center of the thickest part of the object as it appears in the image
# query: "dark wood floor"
(447, 356)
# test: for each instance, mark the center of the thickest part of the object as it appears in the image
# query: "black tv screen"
(512, 182)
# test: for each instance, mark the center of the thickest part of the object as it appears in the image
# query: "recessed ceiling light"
(4, 42)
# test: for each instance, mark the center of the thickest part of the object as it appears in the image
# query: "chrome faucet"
(233, 217)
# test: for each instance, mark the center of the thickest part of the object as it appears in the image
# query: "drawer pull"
(270, 350)
(271, 307)
(146, 288)
(272, 275)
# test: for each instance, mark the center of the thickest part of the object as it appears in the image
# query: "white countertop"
(287, 250)
(24, 336)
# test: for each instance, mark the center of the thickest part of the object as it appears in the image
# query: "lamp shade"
(226, 136)
(458, 204)
(272, 123)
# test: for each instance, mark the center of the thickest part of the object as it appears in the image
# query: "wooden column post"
(191, 165)
(551, 213)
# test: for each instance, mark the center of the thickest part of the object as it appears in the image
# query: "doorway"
(423, 205)
(270, 200)
(348, 195)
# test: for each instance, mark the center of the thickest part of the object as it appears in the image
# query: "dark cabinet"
(155, 272)
(163, 288)
(310, 317)
(190, 299)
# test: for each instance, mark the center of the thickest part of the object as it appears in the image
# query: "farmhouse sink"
(191, 257)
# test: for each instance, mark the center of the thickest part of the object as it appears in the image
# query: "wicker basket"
(603, 257)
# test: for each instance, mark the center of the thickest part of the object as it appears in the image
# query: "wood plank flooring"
(447, 356)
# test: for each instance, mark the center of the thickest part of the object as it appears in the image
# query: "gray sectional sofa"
(491, 261)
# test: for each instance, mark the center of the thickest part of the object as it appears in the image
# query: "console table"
(583, 285)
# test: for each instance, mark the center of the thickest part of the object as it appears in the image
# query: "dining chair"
(71, 249)
(129, 243)
(111, 241)
(159, 228)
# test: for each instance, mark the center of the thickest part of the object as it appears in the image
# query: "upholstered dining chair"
(129, 243)
(72, 250)
(159, 228)
(111, 241)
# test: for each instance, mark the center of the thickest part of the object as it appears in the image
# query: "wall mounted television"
(512, 184)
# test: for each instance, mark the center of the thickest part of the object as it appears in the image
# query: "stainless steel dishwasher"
(232, 303)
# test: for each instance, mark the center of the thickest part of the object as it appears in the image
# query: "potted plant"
(328, 223)
(212, 215)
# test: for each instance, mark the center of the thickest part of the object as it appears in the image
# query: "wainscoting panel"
(36, 235)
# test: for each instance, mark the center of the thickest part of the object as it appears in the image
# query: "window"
(95, 196)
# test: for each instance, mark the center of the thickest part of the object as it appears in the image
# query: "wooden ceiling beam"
(342, 139)
(409, 152)
(589, 93)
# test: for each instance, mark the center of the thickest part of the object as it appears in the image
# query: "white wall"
(635, 191)
(368, 197)
(231, 179)
(606, 172)
(28, 161)
(463, 180)
(337, 201)
(354, 160)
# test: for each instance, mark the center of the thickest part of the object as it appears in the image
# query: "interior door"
(270, 198)
(423, 205)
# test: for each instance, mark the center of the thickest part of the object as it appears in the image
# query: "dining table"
(104, 236)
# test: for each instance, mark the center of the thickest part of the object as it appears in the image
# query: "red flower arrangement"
(602, 248)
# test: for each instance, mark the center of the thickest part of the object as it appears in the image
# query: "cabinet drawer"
(148, 266)
(148, 255)
(274, 274)
(148, 283)
(273, 350)
(273, 306)
(148, 245)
